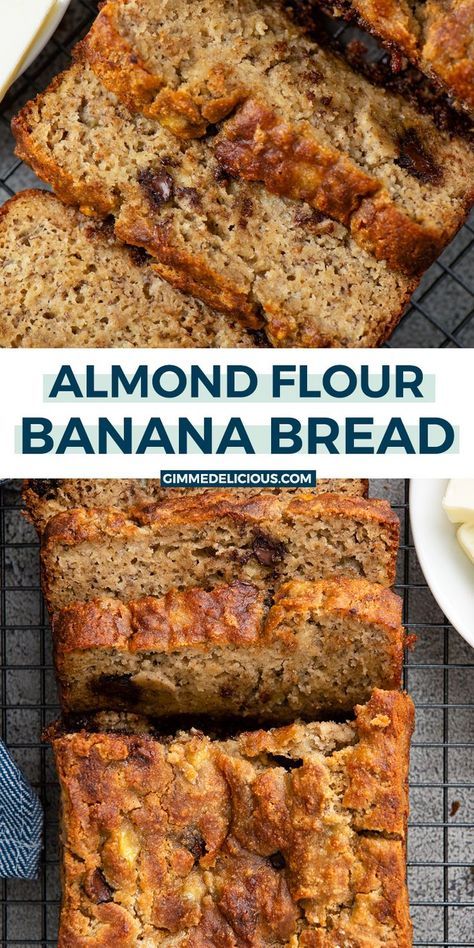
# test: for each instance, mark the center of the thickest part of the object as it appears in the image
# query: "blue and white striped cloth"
(21, 822)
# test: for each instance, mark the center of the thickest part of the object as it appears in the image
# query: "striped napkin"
(21, 822)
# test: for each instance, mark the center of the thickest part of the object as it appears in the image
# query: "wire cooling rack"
(442, 310)
(439, 674)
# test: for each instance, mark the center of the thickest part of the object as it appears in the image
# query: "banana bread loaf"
(214, 538)
(290, 837)
(321, 648)
(437, 36)
(68, 282)
(43, 499)
(312, 211)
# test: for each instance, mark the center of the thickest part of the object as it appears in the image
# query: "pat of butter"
(466, 539)
(458, 501)
(22, 22)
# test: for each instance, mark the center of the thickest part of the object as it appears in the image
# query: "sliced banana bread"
(321, 648)
(44, 499)
(437, 36)
(207, 59)
(66, 281)
(214, 538)
(312, 211)
(294, 836)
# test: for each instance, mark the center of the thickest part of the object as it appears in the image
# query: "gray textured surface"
(443, 306)
(440, 671)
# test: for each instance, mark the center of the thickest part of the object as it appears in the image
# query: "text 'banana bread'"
(212, 539)
(66, 281)
(293, 837)
(309, 203)
(321, 648)
(44, 499)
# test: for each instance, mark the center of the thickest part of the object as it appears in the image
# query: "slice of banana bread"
(208, 59)
(210, 235)
(215, 538)
(320, 649)
(294, 836)
(68, 282)
(43, 499)
(437, 36)
(315, 208)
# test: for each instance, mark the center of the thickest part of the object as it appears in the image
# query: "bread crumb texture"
(265, 539)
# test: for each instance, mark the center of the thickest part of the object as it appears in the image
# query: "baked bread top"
(294, 836)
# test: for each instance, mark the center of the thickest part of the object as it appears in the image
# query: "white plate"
(448, 571)
(45, 36)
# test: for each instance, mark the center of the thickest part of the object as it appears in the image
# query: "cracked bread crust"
(435, 36)
(293, 837)
(43, 499)
(213, 539)
(322, 647)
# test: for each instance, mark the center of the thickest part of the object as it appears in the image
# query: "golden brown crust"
(356, 598)
(197, 618)
(116, 64)
(389, 234)
(288, 159)
(125, 74)
(257, 146)
(449, 47)
(380, 763)
(88, 524)
(44, 498)
(290, 162)
(222, 844)
(226, 615)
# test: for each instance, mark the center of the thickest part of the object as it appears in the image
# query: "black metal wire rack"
(439, 674)
(442, 310)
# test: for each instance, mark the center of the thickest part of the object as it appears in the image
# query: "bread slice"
(320, 649)
(437, 36)
(211, 539)
(43, 499)
(66, 281)
(293, 836)
(205, 61)
(320, 234)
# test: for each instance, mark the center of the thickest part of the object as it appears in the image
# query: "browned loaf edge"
(439, 40)
(43, 499)
(294, 836)
(228, 620)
